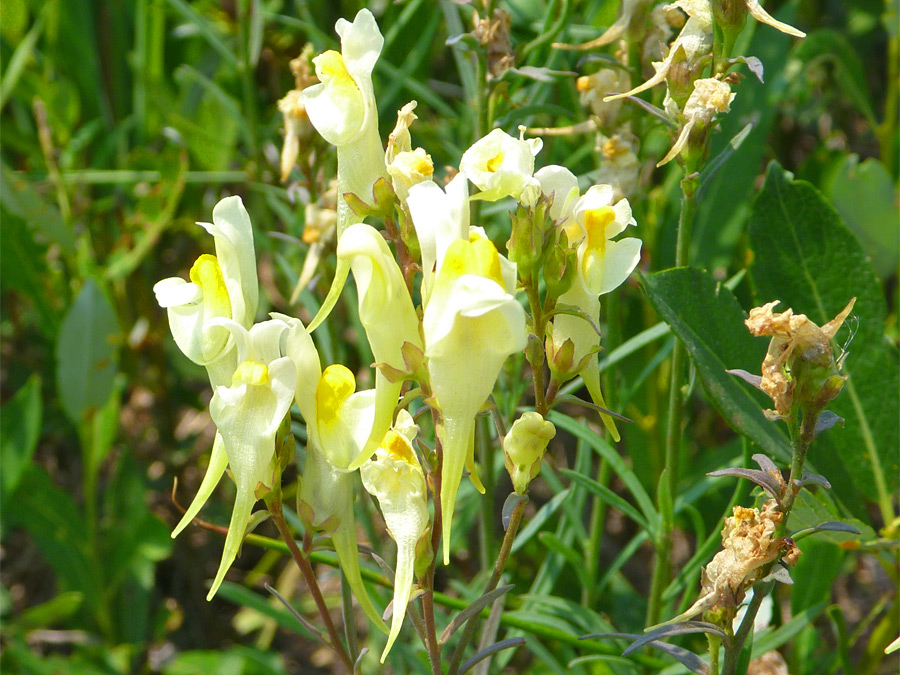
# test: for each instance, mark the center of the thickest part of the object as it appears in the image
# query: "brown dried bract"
(494, 34)
(793, 337)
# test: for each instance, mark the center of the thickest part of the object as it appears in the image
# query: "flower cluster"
(451, 334)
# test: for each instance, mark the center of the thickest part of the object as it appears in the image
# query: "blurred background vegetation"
(123, 123)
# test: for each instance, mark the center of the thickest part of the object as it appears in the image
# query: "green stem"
(486, 524)
(505, 547)
(246, 74)
(661, 571)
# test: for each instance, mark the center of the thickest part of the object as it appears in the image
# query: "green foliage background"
(123, 123)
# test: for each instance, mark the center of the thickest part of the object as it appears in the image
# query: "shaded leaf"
(710, 323)
(488, 651)
(825, 421)
(20, 429)
(607, 495)
(683, 628)
(86, 353)
(686, 658)
(473, 609)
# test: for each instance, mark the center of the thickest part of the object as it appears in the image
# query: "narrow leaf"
(488, 651)
(618, 465)
(607, 495)
(688, 659)
(472, 610)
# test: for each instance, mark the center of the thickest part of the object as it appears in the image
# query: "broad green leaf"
(805, 256)
(20, 429)
(710, 322)
(865, 196)
(815, 572)
(86, 353)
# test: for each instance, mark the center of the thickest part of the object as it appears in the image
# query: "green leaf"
(814, 573)
(20, 429)
(769, 641)
(236, 661)
(807, 258)
(865, 196)
(86, 353)
(50, 613)
(569, 554)
(58, 529)
(607, 495)
(710, 322)
(609, 453)
(41, 215)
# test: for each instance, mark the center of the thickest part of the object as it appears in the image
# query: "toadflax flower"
(440, 218)
(406, 166)
(382, 293)
(799, 364)
(220, 286)
(502, 166)
(338, 423)
(395, 478)
(471, 324)
(247, 414)
(342, 109)
(603, 265)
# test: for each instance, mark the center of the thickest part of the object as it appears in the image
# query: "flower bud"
(560, 267)
(526, 240)
(524, 446)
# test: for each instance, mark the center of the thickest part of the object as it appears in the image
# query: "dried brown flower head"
(800, 350)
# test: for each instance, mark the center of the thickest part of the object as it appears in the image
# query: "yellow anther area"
(423, 165)
(494, 162)
(207, 274)
(335, 386)
(330, 67)
(595, 223)
(477, 256)
(398, 447)
(251, 372)
(583, 84)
